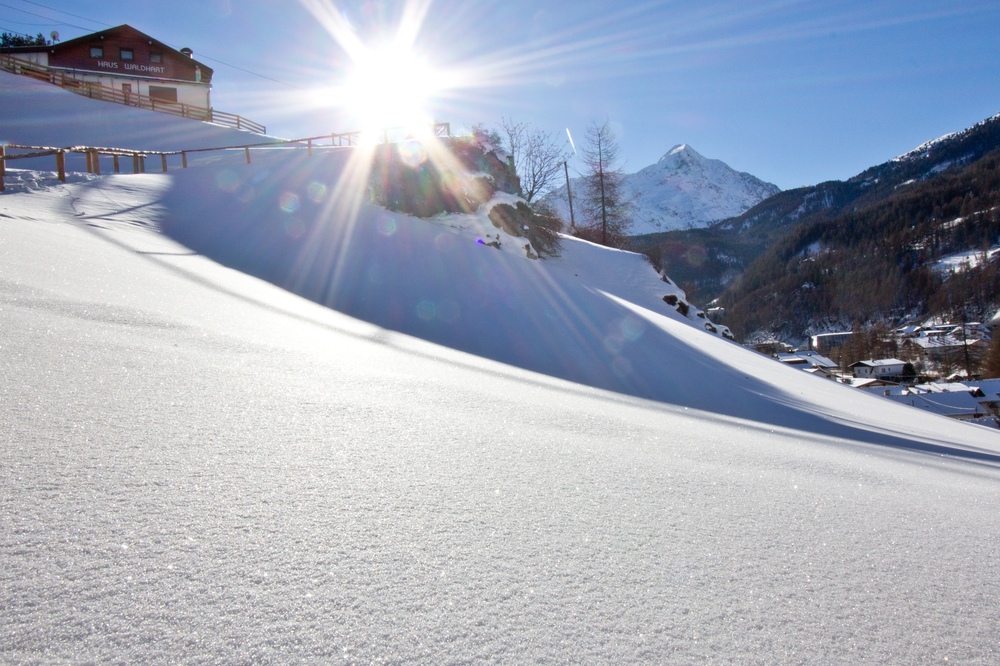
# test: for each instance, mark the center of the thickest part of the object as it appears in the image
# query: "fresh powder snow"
(469, 456)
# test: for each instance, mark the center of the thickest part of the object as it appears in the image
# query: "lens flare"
(316, 191)
(289, 202)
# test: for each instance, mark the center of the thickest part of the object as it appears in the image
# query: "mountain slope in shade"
(683, 190)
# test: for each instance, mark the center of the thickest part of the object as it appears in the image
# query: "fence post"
(61, 165)
(184, 159)
(163, 158)
(135, 162)
(310, 144)
(90, 167)
(247, 149)
(115, 160)
(3, 165)
(142, 164)
(97, 163)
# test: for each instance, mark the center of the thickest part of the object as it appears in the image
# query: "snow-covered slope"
(683, 190)
(197, 466)
(74, 120)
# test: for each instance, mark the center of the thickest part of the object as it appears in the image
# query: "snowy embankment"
(199, 466)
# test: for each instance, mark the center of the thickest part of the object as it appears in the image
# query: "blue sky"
(793, 92)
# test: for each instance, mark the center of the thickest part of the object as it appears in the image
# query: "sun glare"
(390, 86)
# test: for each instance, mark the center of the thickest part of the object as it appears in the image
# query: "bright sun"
(391, 87)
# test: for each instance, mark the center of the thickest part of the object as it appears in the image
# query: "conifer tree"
(606, 208)
(991, 363)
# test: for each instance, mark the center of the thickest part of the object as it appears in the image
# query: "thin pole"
(569, 195)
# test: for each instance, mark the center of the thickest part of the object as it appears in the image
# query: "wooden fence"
(138, 157)
(107, 94)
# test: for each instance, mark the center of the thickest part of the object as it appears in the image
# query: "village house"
(128, 61)
(824, 343)
(809, 361)
(937, 347)
(886, 368)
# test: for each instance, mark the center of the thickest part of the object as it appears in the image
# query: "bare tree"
(538, 158)
(607, 209)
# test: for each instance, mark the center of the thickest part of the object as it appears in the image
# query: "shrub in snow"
(681, 305)
(542, 231)
(451, 176)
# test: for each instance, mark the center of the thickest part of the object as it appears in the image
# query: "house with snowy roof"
(883, 368)
(809, 361)
(939, 346)
(825, 342)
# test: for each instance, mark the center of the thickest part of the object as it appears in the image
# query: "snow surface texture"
(683, 190)
(198, 466)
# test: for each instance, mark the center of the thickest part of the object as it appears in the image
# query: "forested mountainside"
(881, 261)
(705, 261)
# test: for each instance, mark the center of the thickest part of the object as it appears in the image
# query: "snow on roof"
(940, 340)
(943, 387)
(989, 387)
(960, 405)
(879, 363)
(809, 358)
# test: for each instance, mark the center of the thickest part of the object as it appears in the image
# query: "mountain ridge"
(727, 248)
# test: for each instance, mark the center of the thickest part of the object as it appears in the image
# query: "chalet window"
(155, 56)
(96, 51)
(163, 94)
(127, 54)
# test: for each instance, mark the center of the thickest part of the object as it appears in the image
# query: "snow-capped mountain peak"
(682, 190)
(685, 189)
(681, 151)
